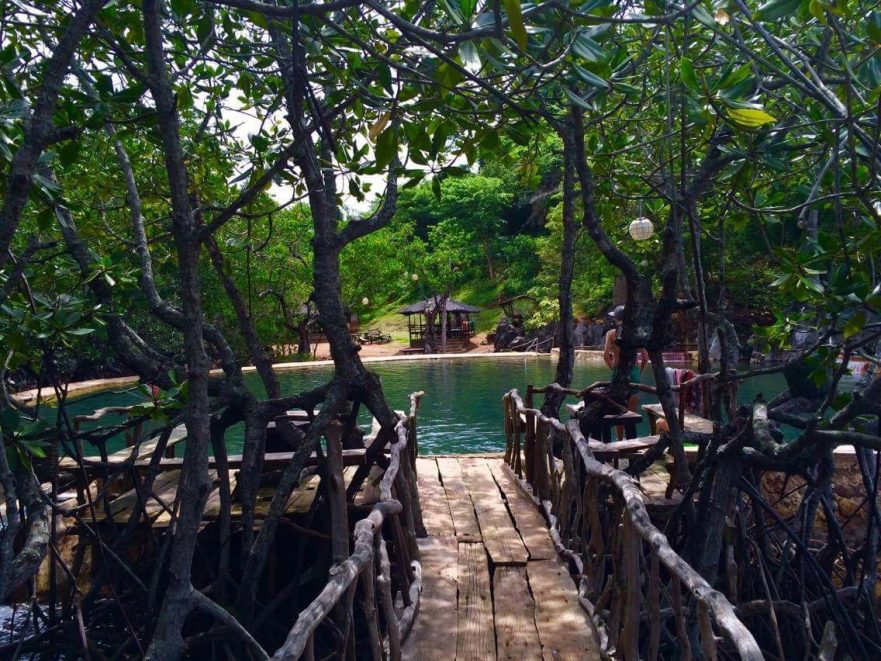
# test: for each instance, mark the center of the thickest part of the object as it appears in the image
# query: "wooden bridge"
(493, 586)
(456, 557)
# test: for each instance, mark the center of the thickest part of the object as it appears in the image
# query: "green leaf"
(587, 48)
(68, 152)
(386, 147)
(689, 78)
(751, 118)
(9, 421)
(35, 448)
(130, 94)
(183, 7)
(590, 78)
(258, 19)
(467, 7)
(626, 88)
(515, 22)
(453, 10)
(577, 100)
(873, 27)
(733, 78)
(204, 28)
(703, 16)
(79, 332)
(854, 325)
(469, 55)
(774, 9)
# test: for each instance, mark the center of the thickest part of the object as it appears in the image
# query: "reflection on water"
(462, 408)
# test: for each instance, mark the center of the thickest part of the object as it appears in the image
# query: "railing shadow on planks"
(630, 579)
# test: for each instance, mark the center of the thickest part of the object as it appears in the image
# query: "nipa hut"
(459, 325)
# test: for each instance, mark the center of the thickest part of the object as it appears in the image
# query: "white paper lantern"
(641, 229)
(415, 277)
(365, 301)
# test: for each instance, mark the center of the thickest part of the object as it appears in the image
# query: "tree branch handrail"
(344, 576)
(719, 608)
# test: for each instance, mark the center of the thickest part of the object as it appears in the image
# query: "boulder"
(505, 334)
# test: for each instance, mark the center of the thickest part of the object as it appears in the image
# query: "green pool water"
(462, 408)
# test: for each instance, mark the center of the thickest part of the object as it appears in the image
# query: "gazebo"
(515, 314)
(459, 325)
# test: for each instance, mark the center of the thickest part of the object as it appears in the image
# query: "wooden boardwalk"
(494, 587)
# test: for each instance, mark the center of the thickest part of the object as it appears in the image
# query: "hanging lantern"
(641, 229)
(365, 301)
(415, 277)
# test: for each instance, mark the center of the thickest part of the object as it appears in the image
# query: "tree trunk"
(489, 260)
(443, 317)
(194, 485)
(566, 328)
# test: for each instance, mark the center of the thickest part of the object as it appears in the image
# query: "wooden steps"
(486, 565)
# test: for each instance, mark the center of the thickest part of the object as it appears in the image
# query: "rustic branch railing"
(631, 579)
(369, 565)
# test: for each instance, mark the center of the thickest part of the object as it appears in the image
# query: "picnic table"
(374, 337)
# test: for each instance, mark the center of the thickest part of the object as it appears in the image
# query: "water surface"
(462, 408)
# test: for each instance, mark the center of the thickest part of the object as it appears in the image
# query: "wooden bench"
(144, 452)
(271, 461)
(626, 449)
(690, 421)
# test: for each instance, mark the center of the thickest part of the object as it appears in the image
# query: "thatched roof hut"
(459, 326)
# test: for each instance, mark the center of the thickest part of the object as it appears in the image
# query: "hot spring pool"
(462, 408)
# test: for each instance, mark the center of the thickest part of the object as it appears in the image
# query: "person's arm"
(645, 358)
(609, 350)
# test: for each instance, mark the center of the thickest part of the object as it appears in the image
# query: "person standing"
(611, 353)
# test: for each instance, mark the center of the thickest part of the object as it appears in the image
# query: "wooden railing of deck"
(366, 573)
(632, 582)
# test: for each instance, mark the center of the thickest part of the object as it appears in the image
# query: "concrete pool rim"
(90, 386)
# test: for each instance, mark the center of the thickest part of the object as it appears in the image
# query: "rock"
(589, 333)
(513, 338)
(505, 334)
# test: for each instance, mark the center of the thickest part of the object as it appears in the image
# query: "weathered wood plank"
(160, 512)
(516, 635)
(499, 535)
(562, 624)
(475, 636)
(435, 507)
(145, 451)
(302, 497)
(433, 636)
(529, 522)
(461, 507)
(692, 422)
(122, 506)
(212, 506)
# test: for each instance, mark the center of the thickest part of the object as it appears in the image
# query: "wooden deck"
(494, 587)
(692, 422)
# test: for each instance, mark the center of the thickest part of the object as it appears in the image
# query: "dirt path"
(395, 348)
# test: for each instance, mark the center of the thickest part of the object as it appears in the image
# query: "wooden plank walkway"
(493, 585)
